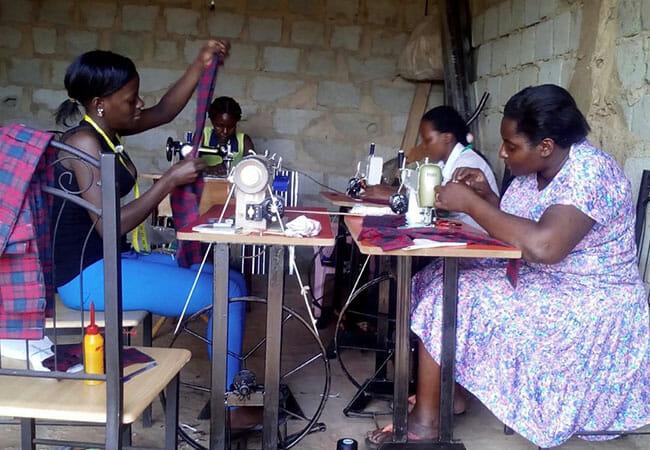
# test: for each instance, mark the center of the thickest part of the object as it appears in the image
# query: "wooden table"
(215, 192)
(450, 257)
(345, 201)
(277, 245)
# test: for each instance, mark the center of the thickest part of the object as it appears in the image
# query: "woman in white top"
(443, 135)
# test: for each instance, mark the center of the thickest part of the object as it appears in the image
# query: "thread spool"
(347, 444)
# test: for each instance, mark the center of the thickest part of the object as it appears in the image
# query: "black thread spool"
(347, 444)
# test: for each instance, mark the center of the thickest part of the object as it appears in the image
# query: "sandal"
(375, 438)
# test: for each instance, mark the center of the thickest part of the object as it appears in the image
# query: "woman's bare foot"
(416, 431)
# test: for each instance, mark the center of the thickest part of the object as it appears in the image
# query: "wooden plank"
(67, 318)
(469, 251)
(72, 400)
(418, 106)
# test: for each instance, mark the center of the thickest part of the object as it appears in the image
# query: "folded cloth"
(69, 355)
(302, 226)
(390, 221)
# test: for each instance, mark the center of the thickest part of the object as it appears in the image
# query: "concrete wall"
(316, 78)
(598, 49)
(520, 43)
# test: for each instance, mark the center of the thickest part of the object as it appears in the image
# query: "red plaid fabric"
(396, 238)
(382, 232)
(25, 247)
(185, 199)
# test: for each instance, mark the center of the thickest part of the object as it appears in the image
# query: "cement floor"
(478, 428)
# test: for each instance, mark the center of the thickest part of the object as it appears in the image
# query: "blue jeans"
(157, 284)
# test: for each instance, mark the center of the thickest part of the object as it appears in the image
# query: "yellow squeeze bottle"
(93, 349)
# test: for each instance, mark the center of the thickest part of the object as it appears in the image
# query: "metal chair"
(29, 394)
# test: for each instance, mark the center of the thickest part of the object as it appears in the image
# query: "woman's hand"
(186, 171)
(455, 197)
(473, 178)
(211, 48)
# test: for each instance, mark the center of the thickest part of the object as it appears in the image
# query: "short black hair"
(97, 73)
(225, 105)
(547, 111)
(446, 119)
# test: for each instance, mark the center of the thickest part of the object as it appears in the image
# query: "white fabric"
(302, 226)
(38, 351)
(461, 157)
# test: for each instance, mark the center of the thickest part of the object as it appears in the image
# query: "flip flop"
(374, 439)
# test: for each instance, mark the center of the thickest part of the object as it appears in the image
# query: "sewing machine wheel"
(355, 187)
(304, 382)
(399, 203)
(364, 343)
(170, 149)
(269, 214)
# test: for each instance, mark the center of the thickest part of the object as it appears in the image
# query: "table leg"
(383, 312)
(448, 359)
(400, 396)
(448, 353)
(339, 252)
(275, 297)
(219, 347)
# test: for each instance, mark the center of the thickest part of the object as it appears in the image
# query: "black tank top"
(74, 223)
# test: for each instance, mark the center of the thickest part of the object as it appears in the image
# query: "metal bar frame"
(219, 347)
(147, 341)
(113, 301)
(275, 298)
(403, 309)
(448, 357)
(171, 414)
(27, 434)
(448, 351)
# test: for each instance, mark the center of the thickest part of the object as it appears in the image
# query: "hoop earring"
(100, 111)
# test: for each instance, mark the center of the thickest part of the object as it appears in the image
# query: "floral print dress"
(568, 349)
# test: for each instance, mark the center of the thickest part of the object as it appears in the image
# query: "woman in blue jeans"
(106, 86)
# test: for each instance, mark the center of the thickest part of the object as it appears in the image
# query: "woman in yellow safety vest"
(224, 114)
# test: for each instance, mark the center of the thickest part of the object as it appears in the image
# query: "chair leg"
(508, 431)
(126, 435)
(171, 414)
(147, 340)
(157, 326)
(27, 434)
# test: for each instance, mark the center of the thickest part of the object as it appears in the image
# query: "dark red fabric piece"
(382, 231)
(25, 247)
(69, 355)
(185, 199)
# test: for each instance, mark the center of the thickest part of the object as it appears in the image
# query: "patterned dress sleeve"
(594, 184)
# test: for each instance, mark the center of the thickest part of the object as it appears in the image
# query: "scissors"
(445, 223)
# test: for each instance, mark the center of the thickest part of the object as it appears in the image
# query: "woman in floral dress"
(567, 349)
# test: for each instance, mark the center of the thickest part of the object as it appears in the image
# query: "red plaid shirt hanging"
(185, 199)
(25, 248)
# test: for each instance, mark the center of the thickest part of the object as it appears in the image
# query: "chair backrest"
(640, 235)
(109, 212)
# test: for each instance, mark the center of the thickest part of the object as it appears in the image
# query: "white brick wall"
(520, 43)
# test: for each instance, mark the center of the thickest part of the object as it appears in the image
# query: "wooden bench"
(73, 401)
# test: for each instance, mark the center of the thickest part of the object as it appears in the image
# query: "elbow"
(543, 252)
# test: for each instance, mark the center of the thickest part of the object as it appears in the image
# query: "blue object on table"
(281, 183)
